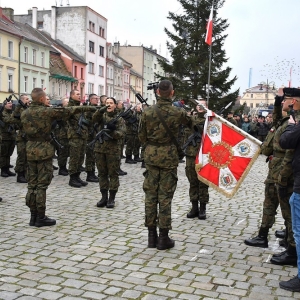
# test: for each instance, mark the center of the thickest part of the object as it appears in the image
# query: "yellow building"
(9, 64)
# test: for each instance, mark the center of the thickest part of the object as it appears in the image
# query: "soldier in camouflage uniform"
(21, 163)
(1, 123)
(107, 154)
(8, 139)
(271, 201)
(132, 141)
(161, 159)
(77, 135)
(198, 190)
(61, 133)
(89, 155)
(36, 122)
(231, 119)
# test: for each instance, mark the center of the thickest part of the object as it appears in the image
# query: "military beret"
(230, 113)
(291, 92)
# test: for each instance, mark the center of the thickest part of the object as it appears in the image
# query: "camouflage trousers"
(7, 149)
(198, 190)
(286, 214)
(63, 153)
(77, 152)
(21, 163)
(89, 159)
(270, 205)
(159, 187)
(108, 165)
(39, 177)
(133, 144)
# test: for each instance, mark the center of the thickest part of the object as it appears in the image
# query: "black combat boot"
(137, 158)
(287, 257)
(9, 173)
(143, 165)
(21, 177)
(292, 285)
(121, 172)
(129, 160)
(111, 199)
(42, 220)
(280, 233)
(91, 177)
(74, 181)
(4, 172)
(33, 215)
(63, 171)
(0, 199)
(152, 237)
(163, 241)
(194, 211)
(83, 183)
(54, 167)
(104, 198)
(202, 212)
(261, 240)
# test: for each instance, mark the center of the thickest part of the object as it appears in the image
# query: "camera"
(152, 86)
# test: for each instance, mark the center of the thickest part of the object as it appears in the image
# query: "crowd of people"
(96, 133)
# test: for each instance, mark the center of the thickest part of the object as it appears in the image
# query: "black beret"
(291, 92)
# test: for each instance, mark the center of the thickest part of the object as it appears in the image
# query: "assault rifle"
(81, 123)
(193, 138)
(223, 108)
(103, 135)
(139, 96)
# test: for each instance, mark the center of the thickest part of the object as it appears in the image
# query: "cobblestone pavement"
(97, 253)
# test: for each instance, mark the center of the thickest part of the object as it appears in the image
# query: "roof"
(262, 88)
(58, 68)
(132, 71)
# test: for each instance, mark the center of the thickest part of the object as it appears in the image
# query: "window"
(40, 25)
(75, 71)
(91, 26)
(53, 87)
(91, 68)
(101, 32)
(251, 105)
(10, 49)
(42, 59)
(257, 104)
(154, 66)
(0, 76)
(100, 89)
(59, 89)
(266, 96)
(251, 96)
(42, 83)
(33, 56)
(33, 83)
(91, 46)
(0, 49)
(101, 51)
(10, 83)
(101, 71)
(26, 54)
(90, 88)
(25, 84)
(81, 73)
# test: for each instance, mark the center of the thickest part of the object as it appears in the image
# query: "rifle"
(81, 123)
(193, 138)
(223, 108)
(2, 124)
(101, 136)
(139, 96)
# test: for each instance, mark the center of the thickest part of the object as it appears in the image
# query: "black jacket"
(290, 139)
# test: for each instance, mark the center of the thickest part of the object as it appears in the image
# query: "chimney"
(34, 17)
(53, 22)
(9, 13)
(116, 47)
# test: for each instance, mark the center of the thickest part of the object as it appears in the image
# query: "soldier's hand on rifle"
(111, 126)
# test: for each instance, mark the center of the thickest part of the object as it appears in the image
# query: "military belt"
(159, 144)
(279, 154)
(39, 139)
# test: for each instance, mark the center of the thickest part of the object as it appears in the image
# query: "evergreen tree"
(189, 67)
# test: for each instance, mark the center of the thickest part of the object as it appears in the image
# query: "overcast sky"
(263, 34)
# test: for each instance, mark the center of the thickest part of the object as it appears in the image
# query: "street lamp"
(269, 86)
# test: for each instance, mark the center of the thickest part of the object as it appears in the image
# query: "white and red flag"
(209, 28)
(226, 155)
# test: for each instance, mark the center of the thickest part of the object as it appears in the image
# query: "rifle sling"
(167, 128)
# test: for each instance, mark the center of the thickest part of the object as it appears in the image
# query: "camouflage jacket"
(74, 130)
(198, 121)
(21, 136)
(109, 145)
(160, 150)
(92, 127)
(37, 124)
(132, 123)
(281, 164)
(8, 132)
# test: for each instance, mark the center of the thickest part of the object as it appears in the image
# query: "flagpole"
(209, 62)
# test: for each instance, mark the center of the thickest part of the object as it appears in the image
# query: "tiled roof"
(57, 66)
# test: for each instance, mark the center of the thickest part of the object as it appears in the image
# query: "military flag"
(226, 155)
(209, 28)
